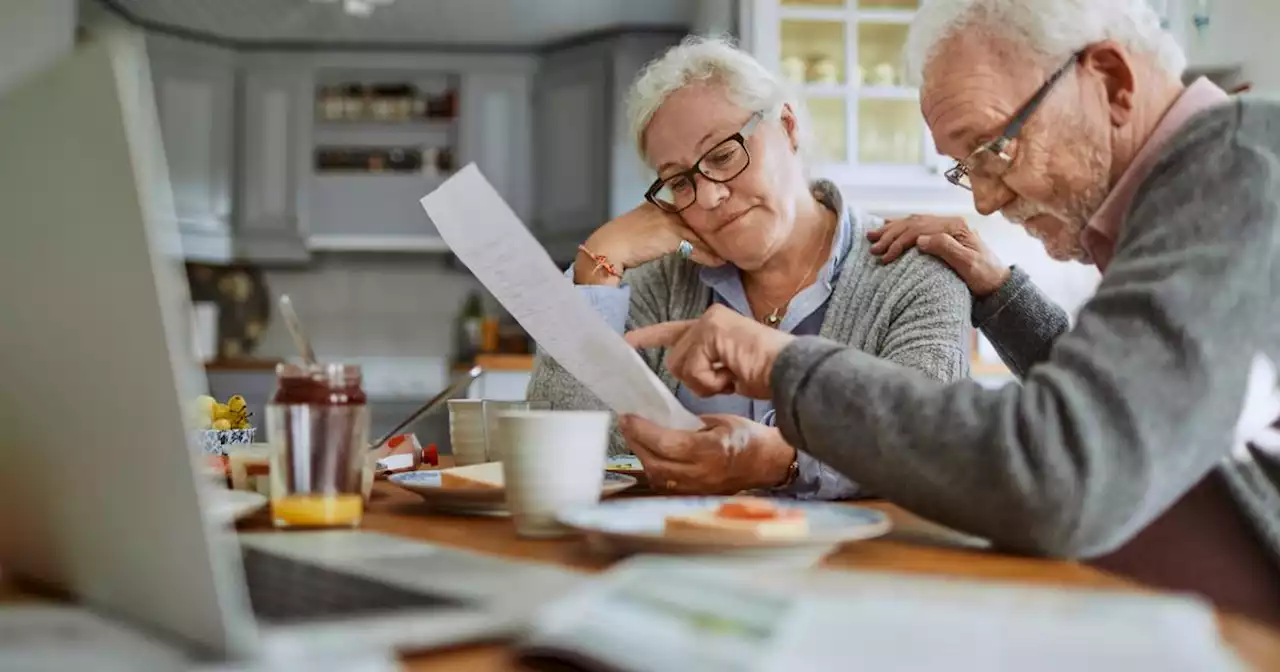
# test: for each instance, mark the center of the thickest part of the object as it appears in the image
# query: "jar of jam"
(318, 424)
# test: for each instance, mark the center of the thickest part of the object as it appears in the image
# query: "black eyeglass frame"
(957, 173)
(691, 174)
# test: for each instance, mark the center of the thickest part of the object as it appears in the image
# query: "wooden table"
(915, 546)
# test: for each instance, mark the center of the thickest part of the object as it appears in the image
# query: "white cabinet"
(497, 132)
(274, 142)
(195, 92)
(845, 56)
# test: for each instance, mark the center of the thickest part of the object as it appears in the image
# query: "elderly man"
(1128, 437)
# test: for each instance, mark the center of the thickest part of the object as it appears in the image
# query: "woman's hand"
(729, 455)
(949, 239)
(718, 353)
(636, 238)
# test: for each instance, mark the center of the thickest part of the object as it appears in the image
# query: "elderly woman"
(733, 220)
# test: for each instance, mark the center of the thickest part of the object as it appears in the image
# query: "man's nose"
(991, 195)
(710, 194)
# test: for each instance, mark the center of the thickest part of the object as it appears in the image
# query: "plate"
(635, 526)
(426, 484)
(227, 506)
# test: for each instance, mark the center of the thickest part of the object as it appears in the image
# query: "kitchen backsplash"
(374, 305)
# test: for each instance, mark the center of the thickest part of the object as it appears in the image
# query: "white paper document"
(492, 241)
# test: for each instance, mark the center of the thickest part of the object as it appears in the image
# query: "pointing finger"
(658, 335)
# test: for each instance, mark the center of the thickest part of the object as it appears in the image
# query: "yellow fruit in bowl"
(236, 404)
(222, 424)
(221, 412)
(205, 404)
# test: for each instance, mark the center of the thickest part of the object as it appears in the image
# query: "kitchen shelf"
(813, 13)
(898, 16)
(441, 124)
(888, 93)
(339, 242)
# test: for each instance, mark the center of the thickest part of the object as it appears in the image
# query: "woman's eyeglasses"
(991, 160)
(720, 164)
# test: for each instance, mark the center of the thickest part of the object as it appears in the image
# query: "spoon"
(294, 325)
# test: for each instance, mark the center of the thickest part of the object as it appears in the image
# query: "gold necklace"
(773, 319)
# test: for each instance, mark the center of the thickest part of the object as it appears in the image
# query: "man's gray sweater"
(1117, 418)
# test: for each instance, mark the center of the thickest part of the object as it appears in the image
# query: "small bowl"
(215, 441)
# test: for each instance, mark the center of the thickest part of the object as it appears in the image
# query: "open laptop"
(100, 490)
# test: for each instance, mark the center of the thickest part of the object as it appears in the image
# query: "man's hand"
(949, 239)
(729, 455)
(721, 352)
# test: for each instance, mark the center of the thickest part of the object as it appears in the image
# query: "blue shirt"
(803, 317)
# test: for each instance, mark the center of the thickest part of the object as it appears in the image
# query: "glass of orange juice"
(318, 423)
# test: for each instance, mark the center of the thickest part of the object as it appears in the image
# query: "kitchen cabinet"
(486, 118)
(870, 138)
(274, 150)
(497, 134)
(572, 145)
(194, 89)
(587, 168)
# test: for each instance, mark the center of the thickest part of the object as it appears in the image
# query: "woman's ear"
(790, 127)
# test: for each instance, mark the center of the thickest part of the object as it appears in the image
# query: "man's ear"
(790, 126)
(1111, 64)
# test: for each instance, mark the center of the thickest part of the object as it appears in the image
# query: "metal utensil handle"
(294, 325)
(454, 387)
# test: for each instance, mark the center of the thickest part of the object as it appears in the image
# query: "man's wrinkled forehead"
(972, 87)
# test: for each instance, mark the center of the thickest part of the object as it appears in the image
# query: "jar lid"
(334, 374)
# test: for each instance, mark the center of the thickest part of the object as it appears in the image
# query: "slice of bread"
(487, 475)
(751, 524)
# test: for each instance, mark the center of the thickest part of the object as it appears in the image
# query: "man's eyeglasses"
(720, 164)
(990, 160)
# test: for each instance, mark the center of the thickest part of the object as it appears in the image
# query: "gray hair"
(1053, 29)
(717, 60)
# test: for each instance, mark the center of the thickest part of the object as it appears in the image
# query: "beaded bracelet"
(602, 262)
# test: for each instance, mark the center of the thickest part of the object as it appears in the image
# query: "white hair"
(1052, 29)
(716, 60)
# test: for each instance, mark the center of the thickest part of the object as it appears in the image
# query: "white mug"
(466, 432)
(552, 461)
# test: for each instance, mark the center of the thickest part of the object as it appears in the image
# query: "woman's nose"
(710, 194)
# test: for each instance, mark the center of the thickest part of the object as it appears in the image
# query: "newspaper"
(653, 614)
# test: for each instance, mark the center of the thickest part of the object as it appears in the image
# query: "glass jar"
(318, 423)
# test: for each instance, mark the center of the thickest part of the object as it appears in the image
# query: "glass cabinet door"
(846, 58)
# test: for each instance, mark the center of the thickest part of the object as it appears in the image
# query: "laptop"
(101, 494)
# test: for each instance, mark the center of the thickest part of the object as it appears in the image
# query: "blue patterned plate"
(426, 484)
(636, 525)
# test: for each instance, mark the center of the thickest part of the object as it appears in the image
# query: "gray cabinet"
(194, 93)
(274, 152)
(495, 110)
(572, 141)
(587, 169)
